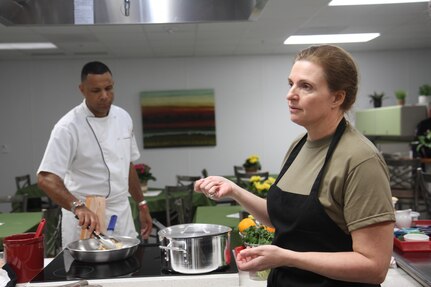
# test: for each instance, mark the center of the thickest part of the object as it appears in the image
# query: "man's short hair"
(95, 67)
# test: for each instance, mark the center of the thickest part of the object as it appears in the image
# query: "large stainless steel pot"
(87, 250)
(196, 248)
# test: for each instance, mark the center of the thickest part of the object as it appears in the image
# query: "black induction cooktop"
(146, 262)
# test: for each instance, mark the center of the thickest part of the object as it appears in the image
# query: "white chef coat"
(92, 155)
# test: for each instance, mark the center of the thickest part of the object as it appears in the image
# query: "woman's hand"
(259, 258)
(216, 187)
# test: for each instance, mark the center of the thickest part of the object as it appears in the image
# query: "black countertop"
(416, 264)
(145, 262)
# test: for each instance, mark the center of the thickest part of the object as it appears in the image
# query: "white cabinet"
(390, 121)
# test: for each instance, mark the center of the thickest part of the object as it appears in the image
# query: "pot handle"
(172, 248)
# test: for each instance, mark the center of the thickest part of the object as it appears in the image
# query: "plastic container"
(403, 218)
(24, 253)
(421, 223)
(412, 246)
(416, 237)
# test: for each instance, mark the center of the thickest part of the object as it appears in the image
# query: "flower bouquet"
(144, 175)
(260, 186)
(252, 163)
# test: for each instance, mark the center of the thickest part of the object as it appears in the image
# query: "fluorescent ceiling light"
(370, 2)
(330, 38)
(26, 46)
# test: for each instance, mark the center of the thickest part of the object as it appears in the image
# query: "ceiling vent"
(87, 12)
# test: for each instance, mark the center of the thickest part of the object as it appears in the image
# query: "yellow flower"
(259, 186)
(255, 178)
(270, 180)
(253, 159)
(252, 162)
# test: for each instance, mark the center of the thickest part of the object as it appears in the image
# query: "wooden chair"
(22, 181)
(183, 180)
(179, 204)
(423, 190)
(402, 173)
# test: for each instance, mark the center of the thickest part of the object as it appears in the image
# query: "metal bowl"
(87, 250)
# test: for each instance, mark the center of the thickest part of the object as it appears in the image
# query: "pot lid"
(193, 230)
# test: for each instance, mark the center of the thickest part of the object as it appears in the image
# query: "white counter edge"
(216, 280)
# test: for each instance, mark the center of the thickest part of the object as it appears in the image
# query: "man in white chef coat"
(89, 158)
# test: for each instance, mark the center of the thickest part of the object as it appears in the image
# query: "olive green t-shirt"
(355, 190)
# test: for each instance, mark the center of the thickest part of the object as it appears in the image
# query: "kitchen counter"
(214, 280)
(396, 278)
(145, 267)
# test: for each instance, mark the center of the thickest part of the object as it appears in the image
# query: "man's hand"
(146, 221)
(87, 219)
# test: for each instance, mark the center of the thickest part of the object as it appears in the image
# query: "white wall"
(251, 111)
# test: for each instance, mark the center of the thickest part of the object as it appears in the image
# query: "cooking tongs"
(103, 239)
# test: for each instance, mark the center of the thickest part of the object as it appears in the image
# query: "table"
(21, 222)
(157, 204)
(223, 215)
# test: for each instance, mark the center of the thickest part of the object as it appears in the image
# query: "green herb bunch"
(258, 235)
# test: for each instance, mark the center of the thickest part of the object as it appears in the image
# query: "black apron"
(302, 225)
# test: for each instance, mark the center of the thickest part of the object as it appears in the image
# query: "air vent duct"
(63, 12)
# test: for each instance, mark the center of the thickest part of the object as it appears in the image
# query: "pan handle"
(158, 224)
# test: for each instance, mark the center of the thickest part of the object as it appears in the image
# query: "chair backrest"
(183, 180)
(403, 172)
(243, 178)
(179, 204)
(204, 173)
(423, 188)
(22, 181)
(238, 168)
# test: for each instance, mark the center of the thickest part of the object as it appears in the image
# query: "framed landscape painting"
(178, 118)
